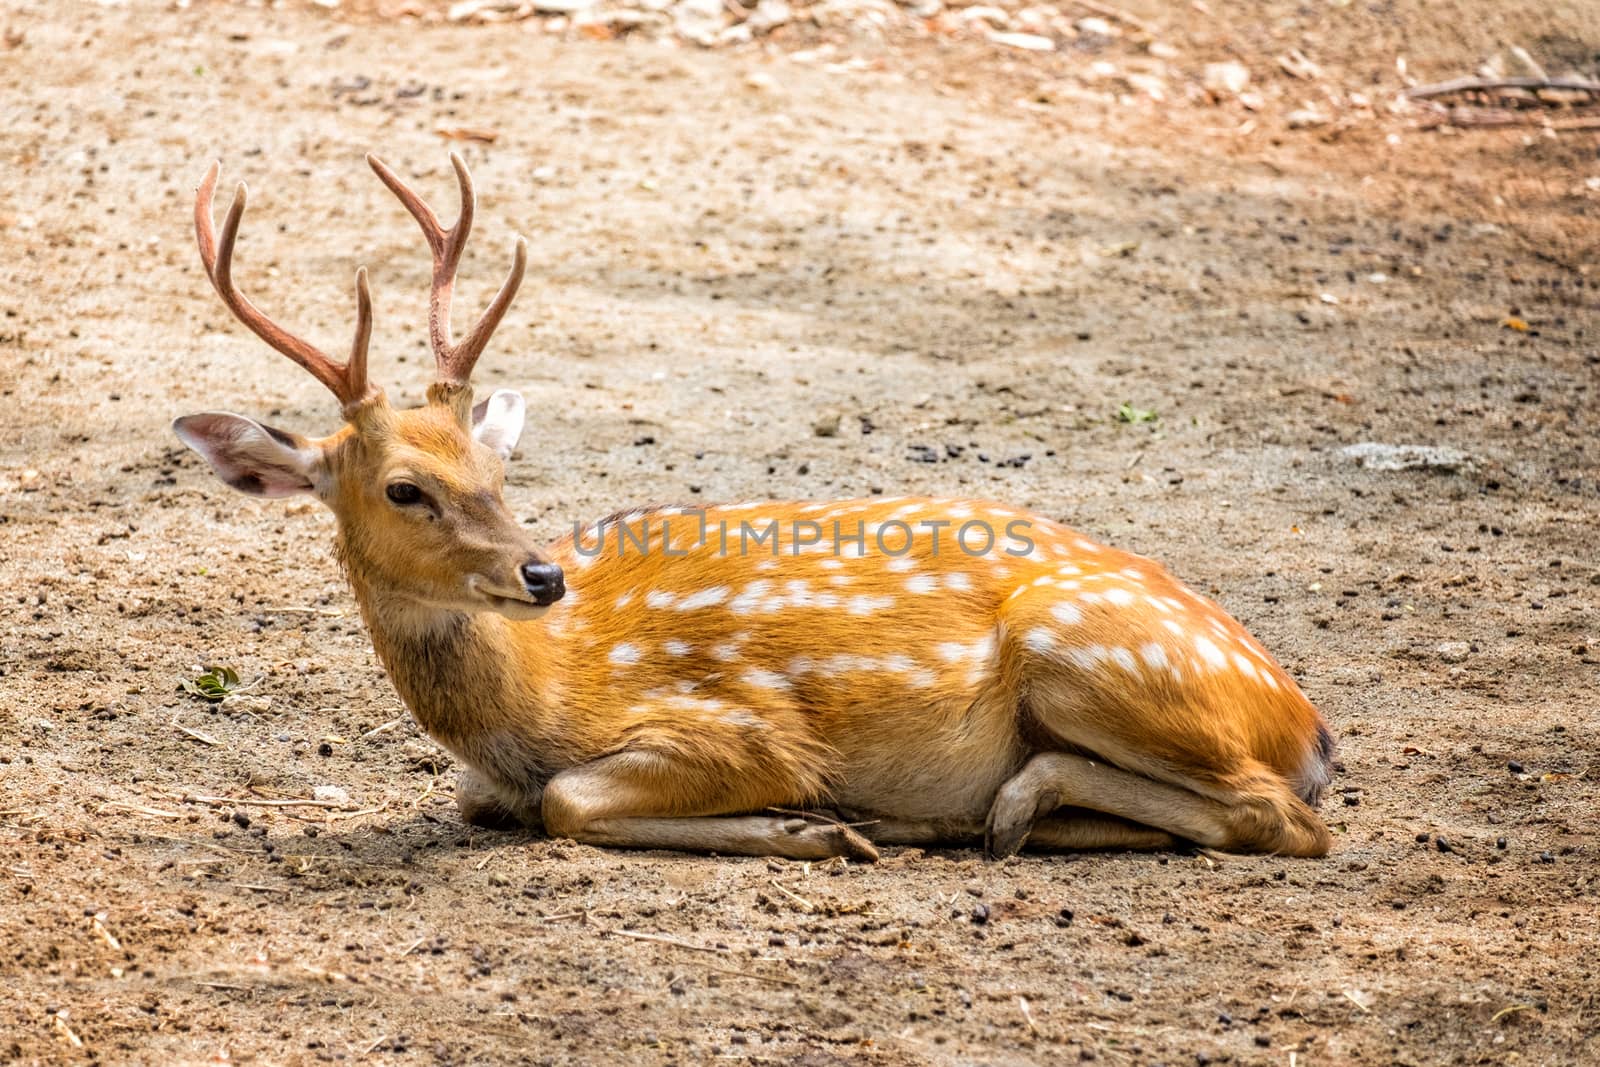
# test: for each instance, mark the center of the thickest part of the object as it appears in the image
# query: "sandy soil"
(939, 247)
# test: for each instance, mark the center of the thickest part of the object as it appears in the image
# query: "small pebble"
(1545, 857)
(1442, 843)
(1422, 838)
(1499, 842)
(1352, 800)
(241, 819)
(980, 912)
(1514, 767)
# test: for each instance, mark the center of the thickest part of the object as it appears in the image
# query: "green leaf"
(1130, 414)
(214, 684)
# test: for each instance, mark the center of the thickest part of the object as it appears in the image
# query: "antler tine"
(347, 381)
(454, 361)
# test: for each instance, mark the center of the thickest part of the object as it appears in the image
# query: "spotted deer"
(788, 678)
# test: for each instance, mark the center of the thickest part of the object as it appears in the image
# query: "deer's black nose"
(544, 582)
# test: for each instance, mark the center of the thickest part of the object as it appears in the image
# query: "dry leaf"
(468, 133)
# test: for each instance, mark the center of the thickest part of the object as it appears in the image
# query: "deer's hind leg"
(690, 782)
(1262, 815)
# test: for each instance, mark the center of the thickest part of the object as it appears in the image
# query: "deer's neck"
(480, 685)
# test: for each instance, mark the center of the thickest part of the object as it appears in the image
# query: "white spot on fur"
(626, 598)
(1124, 659)
(750, 598)
(1119, 596)
(1246, 668)
(951, 651)
(901, 564)
(660, 599)
(624, 654)
(1210, 652)
(765, 679)
(958, 582)
(922, 583)
(674, 647)
(1040, 639)
(744, 718)
(1154, 655)
(866, 605)
(726, 652)
(832, 564)
(1066, 613)
(1173, 625)
(1087, 658)
(705, 598)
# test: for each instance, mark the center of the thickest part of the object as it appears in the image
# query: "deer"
(651, 681)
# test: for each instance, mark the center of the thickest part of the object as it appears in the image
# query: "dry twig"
(1485, 85)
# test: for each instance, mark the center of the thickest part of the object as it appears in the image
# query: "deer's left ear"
(497, 420)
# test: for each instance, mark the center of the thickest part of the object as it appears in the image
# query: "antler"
(348, 380)
(455, 361)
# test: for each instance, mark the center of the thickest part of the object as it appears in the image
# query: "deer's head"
(417, 492)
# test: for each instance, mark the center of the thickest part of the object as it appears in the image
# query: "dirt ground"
(942, 243)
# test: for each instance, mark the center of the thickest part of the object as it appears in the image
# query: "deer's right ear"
(252, 458)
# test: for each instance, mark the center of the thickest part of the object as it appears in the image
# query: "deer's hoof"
(825, 840)
(1016, 808)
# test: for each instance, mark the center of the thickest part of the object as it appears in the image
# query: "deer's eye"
(403, 493)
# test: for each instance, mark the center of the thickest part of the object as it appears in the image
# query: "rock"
(1162, 50)
(1382, 457)
(423, 756)
(1030, 42)
(1148, 84)
(1225, 79)
(237, 702)
(699, 21)
(1296, 65)
(827, 426)
(1096, 26)
(331, 794)
(1454, 651)
(463, 10)
(1306, 118)
(994, 16)
(768, 16)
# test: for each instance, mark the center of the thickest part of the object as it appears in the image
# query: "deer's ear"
(252, 458)
(497, 420)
